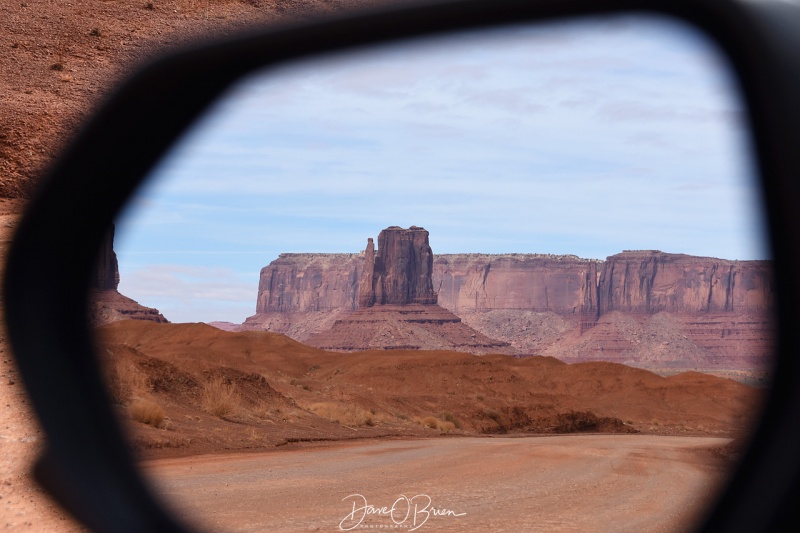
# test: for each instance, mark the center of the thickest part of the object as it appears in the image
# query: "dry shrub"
(263, 410)
(447, 416)
(220, 398)
(434, 423)
(430, 422)
(347, 415)
(147, 412)
(126, 381)
(447, 427)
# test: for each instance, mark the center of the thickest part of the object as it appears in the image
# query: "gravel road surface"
(561, 483)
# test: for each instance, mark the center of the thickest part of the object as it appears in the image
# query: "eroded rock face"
(110, 306)
(404, 327)
(381, 299)
(651, 281)
(559, 305)
(310, 283)
(399, 273)
(474, 283)
(646, 282)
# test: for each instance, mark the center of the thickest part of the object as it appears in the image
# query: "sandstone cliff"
(650, 282)
(310, 282)
(400, 272)
(645, 282)
(396, 303)
(718, 310)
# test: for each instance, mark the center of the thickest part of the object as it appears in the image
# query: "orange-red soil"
(282, 391)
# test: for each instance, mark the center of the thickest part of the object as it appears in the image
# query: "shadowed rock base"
(404, 327)
(109, 306)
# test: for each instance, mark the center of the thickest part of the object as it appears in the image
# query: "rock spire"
(400, 272)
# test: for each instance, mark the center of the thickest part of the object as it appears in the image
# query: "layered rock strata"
(643, 282)
(651, 282)
(548, 304)
(109, 306)
(404, 327)
(396, 302)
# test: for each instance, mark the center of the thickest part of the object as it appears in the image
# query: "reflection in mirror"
(565, 238)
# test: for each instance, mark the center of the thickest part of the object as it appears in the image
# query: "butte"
(397, 304)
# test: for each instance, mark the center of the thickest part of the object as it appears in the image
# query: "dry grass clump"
(346, 415)
(147, 412)
(434, 423)
(264, 410)
(220, 398)
(447, 416)
(125, 381)
(430, 422)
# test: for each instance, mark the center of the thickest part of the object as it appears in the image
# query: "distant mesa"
(397, 304)
(642, 307)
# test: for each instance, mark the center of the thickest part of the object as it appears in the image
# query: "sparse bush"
(96, 32)
(220, 398)
(430, 422)
(127, 381)
(447, 427)
(347, 415)
(147, 412)
(449, 417)
(263, 410)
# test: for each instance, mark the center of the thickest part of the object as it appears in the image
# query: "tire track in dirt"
(642, 483)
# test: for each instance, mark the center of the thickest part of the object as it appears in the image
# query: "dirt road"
(562, 483)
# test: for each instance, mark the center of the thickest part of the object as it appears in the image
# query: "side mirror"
(87, 465)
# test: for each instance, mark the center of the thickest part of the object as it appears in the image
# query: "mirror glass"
(566, 247)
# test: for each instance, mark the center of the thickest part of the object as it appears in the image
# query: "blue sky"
(584, 139)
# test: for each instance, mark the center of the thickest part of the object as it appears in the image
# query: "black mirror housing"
(87, 465)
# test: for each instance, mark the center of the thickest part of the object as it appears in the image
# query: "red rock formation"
(404, 327)
(638, 282)
(366, 291)
(310, 282)
(564, 284)
(400, 272)
(718, 310)
(650, 282)
(110, 306)
(106, 304)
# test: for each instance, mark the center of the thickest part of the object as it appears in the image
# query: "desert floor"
(554, 483)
